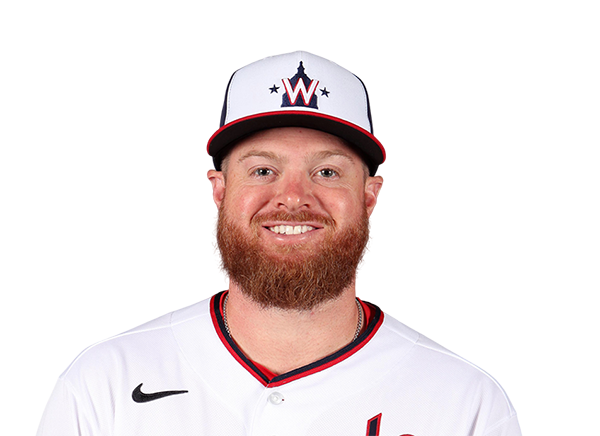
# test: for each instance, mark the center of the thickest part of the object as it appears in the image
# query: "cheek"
(245, 203)
(342, 205)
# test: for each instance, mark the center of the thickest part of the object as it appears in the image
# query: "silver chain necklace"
(359, 324)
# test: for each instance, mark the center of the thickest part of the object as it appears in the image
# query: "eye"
(262, 172)
(327, 173)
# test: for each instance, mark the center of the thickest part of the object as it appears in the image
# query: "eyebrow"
(330, 153)
(266, 154)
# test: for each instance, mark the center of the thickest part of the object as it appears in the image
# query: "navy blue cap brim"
(365, 143)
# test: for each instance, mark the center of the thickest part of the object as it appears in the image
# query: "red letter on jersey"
(373, 425)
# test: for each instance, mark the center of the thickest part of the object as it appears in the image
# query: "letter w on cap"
(300, 89)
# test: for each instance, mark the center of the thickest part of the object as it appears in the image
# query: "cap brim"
(366, 144)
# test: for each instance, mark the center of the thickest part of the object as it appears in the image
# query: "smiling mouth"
(290, 230)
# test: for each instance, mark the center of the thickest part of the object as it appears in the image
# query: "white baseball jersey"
(182, 375)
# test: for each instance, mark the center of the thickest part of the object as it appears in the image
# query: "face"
(293, 216)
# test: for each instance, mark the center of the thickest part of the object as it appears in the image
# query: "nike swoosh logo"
(140, 397)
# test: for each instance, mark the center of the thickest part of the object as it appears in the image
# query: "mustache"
(301, 216)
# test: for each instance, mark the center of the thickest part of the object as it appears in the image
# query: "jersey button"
(275, 398)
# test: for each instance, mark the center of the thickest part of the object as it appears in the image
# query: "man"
(288, 349)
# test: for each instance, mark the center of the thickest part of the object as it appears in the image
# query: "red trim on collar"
(216, 313)
(374, 319)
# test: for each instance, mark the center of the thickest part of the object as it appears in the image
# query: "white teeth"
(291, 230)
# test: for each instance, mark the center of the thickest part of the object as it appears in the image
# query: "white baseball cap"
(297, 90)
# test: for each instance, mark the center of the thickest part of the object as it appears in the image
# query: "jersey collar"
(216, 309)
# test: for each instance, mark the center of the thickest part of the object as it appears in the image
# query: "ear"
(372, 187)
(217, 179)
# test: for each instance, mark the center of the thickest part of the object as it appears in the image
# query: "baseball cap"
(297, 90)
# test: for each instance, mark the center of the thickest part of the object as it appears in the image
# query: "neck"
(283, 340)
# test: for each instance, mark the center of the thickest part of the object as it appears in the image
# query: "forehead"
(293, 142)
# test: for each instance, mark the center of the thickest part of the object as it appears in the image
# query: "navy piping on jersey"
(216, 309)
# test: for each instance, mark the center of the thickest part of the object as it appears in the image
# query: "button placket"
(272, 418)
(276, 398)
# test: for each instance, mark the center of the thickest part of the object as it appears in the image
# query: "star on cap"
(274, 89)
(325, 92)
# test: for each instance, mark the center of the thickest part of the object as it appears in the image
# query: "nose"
(294, 192)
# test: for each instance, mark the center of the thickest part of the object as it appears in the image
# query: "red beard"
(296, 278)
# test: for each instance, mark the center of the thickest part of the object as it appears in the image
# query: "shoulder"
(426, 360)
(106, 375)
(416, 374)
(138, 345)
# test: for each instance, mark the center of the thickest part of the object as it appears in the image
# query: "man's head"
(294, 201)
(293, 216)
